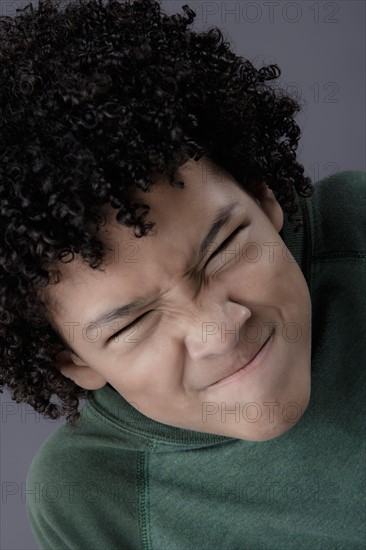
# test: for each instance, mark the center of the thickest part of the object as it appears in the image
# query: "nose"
(215, 331)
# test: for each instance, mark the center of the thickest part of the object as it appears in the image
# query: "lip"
(249, 367)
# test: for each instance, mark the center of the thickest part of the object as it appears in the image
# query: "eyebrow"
(223, 217)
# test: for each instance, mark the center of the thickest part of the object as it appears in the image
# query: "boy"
(219, 344)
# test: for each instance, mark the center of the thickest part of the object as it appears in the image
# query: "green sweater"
(123, 481)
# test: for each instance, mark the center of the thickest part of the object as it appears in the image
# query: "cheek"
(151, 372)
(257, 272)
(294, 291)
(266, 274)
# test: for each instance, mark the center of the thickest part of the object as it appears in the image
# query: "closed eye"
(124, 329)
(227, 241)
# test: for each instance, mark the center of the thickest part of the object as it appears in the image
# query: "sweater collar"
(111, 405)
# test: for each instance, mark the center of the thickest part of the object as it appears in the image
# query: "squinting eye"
(226, 242)
(124, 329)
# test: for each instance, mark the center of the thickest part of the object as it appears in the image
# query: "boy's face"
(204, 318)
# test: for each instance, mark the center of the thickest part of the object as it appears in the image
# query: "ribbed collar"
(113, 407)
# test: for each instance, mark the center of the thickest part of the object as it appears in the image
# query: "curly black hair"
(95, 100)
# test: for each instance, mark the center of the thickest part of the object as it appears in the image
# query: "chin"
(270, 431)
(267, 429)
(265, 432)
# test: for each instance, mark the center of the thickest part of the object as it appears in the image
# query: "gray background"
(320, 48)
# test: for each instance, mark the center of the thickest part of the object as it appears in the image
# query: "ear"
(268, 203)
(71, 366)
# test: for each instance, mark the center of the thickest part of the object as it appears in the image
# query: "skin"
(203, 327)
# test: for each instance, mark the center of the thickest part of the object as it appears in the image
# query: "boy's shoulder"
(76, 475)
(52, 465)
(337, 211)
(48, 489)
(344, 189)
(72, 454)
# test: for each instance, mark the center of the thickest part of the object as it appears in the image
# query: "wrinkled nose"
(215, 331)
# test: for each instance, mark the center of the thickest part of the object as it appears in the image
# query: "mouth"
(248, 367)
